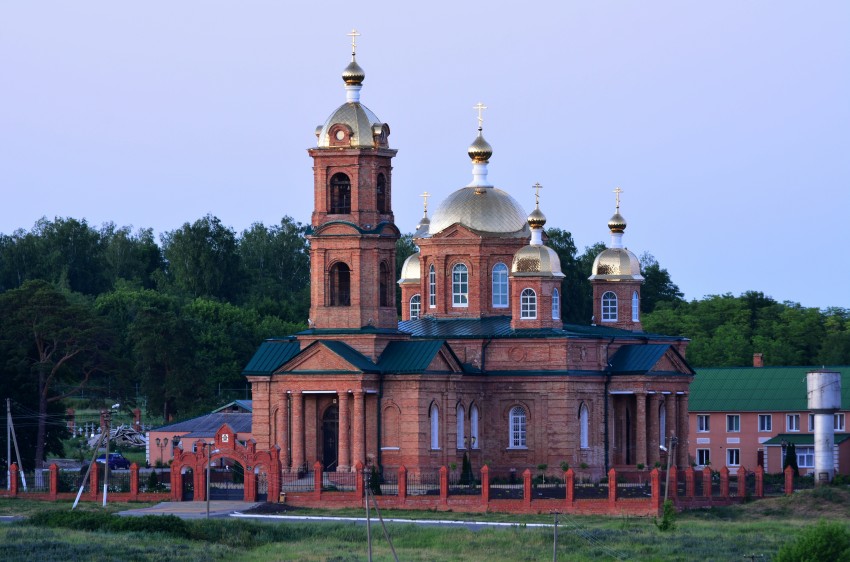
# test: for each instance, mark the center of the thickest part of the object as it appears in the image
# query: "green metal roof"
(500, 327)
(271, 355)
(351, 355)
(802, 438)
(640, 359)
(756, 389)
(409, 356)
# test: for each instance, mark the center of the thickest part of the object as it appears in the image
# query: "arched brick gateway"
(226, 445)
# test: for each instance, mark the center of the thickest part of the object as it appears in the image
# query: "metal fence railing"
(339, 481)
(423, 483)
(464, 485)
(298, 482)
(38, 481)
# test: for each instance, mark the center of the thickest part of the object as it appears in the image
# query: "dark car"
(116, 461)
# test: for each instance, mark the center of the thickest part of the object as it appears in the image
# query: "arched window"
(415, 306)
(556, 304)
(435, 427)
(583, 424)
(517, 428)
(461, 434)
(609, 307)
(635, 307)
(382, 193)
(460, 285)
(528, 304)
(662, 424)
(340, 194)
(432, 287)
(474, 442)
(384, 284)
(500, 286)
(340, 285)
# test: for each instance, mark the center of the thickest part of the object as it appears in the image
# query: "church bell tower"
(352, 234)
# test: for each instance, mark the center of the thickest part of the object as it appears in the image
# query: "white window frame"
(733, 423)
(635, 307)
(806, 456)
(528, 304)
(609, 306)
(662, 424)
(517, 428)
(584, 426)
(460, 285)
(461, 434)
(838, 422)
(434, 414)
(765, 423)
(792, 423)
(415, 306)
(499, 286)
(733, 457)
(556, 305)
(432, 287)
(703, 423)
(811, 423)
(703, 457)
(473, 427)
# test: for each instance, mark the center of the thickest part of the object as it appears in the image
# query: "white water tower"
(823, 389)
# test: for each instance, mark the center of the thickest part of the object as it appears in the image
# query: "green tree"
(404, 248)
(59, 342)
(276, 262)
(132, 257)
(202, 259)
(657, 285)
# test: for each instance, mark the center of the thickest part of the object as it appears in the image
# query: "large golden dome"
(616, 264)
(486, 210)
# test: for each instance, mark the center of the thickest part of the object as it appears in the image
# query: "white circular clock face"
(340, 135)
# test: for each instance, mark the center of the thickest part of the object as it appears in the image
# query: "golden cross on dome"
(480, 107)
(425, 195)
(354, 35)
(537, 187)
(618, 191)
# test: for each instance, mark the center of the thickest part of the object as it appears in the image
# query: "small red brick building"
(481, 363)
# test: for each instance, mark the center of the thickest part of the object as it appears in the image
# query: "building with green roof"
(744, 416)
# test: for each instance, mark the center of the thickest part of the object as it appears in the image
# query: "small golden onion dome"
(353, 75)
(410, 269)
(480, 150)
(616, 264)
(617, 223)
(536, 261)
(536, 219)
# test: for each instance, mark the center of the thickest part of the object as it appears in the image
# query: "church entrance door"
(330, 438)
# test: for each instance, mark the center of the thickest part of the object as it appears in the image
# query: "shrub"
(668, 517)
(824, 541)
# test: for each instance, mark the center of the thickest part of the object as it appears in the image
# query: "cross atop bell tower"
(352, 234)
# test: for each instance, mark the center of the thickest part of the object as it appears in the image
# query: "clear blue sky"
(726, 123)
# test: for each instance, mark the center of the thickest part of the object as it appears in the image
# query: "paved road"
(192, 510)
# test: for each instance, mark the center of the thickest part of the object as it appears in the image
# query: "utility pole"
(107, 417)
(555, 540)
(8, 444)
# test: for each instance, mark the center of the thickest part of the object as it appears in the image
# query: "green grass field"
(735, 533)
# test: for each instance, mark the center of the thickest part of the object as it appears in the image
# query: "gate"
(263, 487)
(188, 486)
(227, 483)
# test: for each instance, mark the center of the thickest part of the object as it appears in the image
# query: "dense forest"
(111, 313)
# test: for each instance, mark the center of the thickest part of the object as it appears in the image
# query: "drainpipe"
(484, 352)
(380, 397)
(605, 422)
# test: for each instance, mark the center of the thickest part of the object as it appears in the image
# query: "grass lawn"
(733, 533)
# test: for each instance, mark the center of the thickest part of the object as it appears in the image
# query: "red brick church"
(481, 362)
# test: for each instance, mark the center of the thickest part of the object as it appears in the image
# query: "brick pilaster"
(344, 449)
(640, 433)
(298, 461)
(358, 429)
